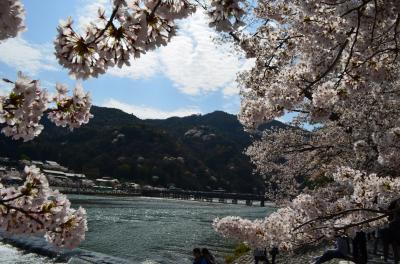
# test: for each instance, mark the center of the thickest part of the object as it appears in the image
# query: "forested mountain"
(199, 152)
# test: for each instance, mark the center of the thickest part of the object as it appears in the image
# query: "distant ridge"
(198, 152)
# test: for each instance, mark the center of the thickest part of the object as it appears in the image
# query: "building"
(37, 163)
(53, 165)
(107, 182)
(61, 178)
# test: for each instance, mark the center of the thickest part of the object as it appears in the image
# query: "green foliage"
(240, 250)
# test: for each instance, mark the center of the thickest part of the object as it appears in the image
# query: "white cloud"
(192, 61)
(195, 63)
(232, 89)
(27, 57)
(145, 112)
(143, 68)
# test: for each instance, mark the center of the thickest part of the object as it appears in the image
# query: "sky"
(192, 75)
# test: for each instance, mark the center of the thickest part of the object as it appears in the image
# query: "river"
(151, 230)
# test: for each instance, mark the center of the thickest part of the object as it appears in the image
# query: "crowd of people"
(387, 237)
(203, 256)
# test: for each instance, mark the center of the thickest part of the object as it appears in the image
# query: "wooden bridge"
(222, 197)
(212, 196)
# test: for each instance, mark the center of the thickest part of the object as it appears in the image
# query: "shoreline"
(39, 246)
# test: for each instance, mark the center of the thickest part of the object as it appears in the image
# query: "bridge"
(211, 196)
(222, 197)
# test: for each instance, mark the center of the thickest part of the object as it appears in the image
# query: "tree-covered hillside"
(195, 152)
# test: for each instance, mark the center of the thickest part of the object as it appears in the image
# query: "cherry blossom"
(133, 28)
(35, 209)
(352, 202)
(12, 16)
(71, 111)
(335, 65)
(226, 15)
(22, 110)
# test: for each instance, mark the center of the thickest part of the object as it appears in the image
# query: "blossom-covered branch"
(317, 52)
(23, 109)
(35, 209)
(354, 202)
(133, 28)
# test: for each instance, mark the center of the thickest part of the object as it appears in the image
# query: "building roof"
(54, 172)
(107, 180)
(66, 174)
(37, 162)
(52, 163)
(75, 175)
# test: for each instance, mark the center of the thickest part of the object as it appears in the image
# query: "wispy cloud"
(145, 112)
(27, 57)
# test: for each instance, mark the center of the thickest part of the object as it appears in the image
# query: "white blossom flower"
(12, 15)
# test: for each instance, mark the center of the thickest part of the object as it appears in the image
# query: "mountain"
(198, 152)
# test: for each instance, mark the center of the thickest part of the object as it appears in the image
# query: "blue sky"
(191, 75)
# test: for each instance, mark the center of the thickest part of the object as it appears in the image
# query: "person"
(274, 251)
(391, 234)
(198, 258)
(341, 251)
(208, 256)
(360, 254)
(260, 255)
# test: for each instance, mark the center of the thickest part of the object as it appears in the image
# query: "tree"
(133, 28)
(335, 64)
(332, 62)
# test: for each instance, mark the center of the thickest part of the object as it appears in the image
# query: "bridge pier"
(234, 201)
(262, 203)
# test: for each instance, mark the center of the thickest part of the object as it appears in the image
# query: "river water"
(150, 230)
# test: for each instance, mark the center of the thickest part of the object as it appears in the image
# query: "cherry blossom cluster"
(226, 15)
(318, 52)
(12, 16)
(35, 209)
(352, 202)
(291, 159)
(22, 110)
(133, 28)
(71, 111)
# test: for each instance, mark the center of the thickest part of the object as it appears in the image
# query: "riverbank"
(39, 246)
